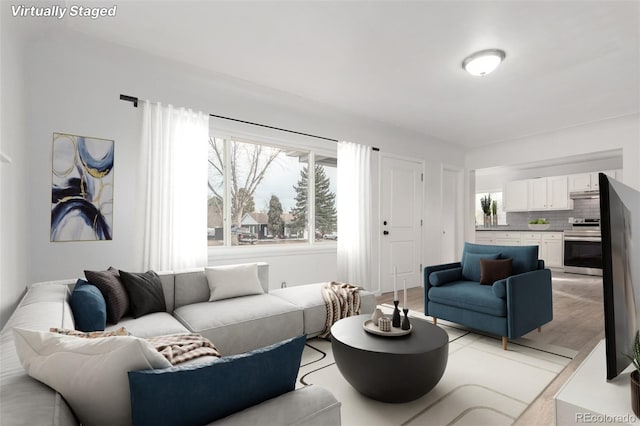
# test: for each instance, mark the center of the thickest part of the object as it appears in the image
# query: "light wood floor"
(578, 324)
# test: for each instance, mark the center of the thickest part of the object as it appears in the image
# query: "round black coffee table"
(390, 369)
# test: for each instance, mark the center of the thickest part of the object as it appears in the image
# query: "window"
(495, 196)
(258, 195)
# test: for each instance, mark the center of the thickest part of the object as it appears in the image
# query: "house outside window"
(258, 195)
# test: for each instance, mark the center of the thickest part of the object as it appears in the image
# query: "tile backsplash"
(559, 219)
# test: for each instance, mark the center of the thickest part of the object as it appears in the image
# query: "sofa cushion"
(113, 291)
(144, 291)
(492, 270)
(470, 296)
(525, 258)
(196, 395)
(155, 324)
(88, 306)
(309, 298)
(243, 323)
(91, 374)
(226, 282)
(471, 265)
(445, 276)
(309, 405)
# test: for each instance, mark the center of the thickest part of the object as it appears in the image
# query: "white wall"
(495, 178)
(621, 133)
(74, 85)
(14, 235)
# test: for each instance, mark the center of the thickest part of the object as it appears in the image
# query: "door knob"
(385, 232)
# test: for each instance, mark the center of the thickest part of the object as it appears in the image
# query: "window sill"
(216, 254)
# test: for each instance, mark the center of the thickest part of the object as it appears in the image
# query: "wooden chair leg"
(435, 321)
(504, 343)
(539, 329)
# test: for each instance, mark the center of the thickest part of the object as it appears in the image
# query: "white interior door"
(452, 214)
(401, 217)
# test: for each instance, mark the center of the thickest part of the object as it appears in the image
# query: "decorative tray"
(370, 327)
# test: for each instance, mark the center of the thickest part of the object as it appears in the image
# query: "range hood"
(582, 195)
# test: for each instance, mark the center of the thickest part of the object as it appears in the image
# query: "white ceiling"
(398, 62)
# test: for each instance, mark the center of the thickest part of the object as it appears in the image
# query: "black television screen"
(619, 222)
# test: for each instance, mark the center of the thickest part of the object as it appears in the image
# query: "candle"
(404, 285)
(395, 289)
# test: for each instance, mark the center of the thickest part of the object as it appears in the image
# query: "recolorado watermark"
(605, 418)
(59, 12)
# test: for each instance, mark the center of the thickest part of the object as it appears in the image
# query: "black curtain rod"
(134, 100)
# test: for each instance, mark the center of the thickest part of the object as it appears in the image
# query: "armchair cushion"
(525, 258)
(471, 264)
(499, 288)
(492, 270)
(470, 296)
(445, 276)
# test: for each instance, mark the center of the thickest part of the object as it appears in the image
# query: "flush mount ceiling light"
(483, 62)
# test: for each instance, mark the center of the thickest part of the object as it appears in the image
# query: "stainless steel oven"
(583, 248)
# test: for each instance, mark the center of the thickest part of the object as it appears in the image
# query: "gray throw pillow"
(145, 292)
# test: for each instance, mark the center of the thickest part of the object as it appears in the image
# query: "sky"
(281, 176)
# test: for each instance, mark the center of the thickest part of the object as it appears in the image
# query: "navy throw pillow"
(88, 307)
(471, 265)
(200, 394)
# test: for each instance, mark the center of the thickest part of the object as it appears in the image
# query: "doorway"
(401, 202)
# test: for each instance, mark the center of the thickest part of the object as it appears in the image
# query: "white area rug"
(482, 385)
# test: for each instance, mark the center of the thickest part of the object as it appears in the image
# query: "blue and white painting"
(81, 188)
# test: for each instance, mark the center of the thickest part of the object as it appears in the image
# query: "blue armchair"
(510, 307)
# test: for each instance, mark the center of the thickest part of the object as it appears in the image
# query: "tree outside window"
(267, 190)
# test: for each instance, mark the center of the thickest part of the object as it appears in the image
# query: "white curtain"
(354, 214)
(173, 172)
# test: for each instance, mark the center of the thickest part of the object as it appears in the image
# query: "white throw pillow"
(233, 281)
(91, 374)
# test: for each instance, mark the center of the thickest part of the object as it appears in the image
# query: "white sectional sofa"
(235, 326)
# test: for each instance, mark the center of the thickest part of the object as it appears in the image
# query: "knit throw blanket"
(341, 300)
(177, 348)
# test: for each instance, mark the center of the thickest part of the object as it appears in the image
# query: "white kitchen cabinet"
(549, 194)
(484, 237)
(580, 182)
(507, 238)
(590, 181)
(538, 194)
(552, 250)
(531, 239)
(516, 196)
(558, 193)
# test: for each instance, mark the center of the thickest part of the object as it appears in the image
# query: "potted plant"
(635, 375)
(494, 212)
(485, 203)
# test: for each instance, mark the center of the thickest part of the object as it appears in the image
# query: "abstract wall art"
(81, 188)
